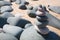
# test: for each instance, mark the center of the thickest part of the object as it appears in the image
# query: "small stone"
(3, 21)
(17, 21)
(28, 25)
(23, 7)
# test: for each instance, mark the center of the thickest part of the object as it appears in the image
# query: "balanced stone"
(22, 6)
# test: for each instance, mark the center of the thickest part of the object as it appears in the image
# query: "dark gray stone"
(32, 34)
(6, 9)
(14, 30)
(7, 14)
(5, 36)
(17, 21)
(54, 9)
(22, 6)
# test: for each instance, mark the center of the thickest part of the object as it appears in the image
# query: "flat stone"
(54, 9)
(42, 18)
(5, 36)
(7, 14)
(14, 30)
(6, 9)
(17, 21)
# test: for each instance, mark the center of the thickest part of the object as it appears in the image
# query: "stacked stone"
(42, 20)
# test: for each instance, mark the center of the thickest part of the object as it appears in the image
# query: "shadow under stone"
(51, 36)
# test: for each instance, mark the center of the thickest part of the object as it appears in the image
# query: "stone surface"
(5, 36)
(14, 30)
(3, 21)
(3, 3)
(31, 13)
(22, 6)
(32, 34)
(7, 14)
(54, 9)
(17, 21)
(28, 25)
(6, 9)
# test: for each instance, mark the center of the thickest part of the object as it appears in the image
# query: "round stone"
(14, 30)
